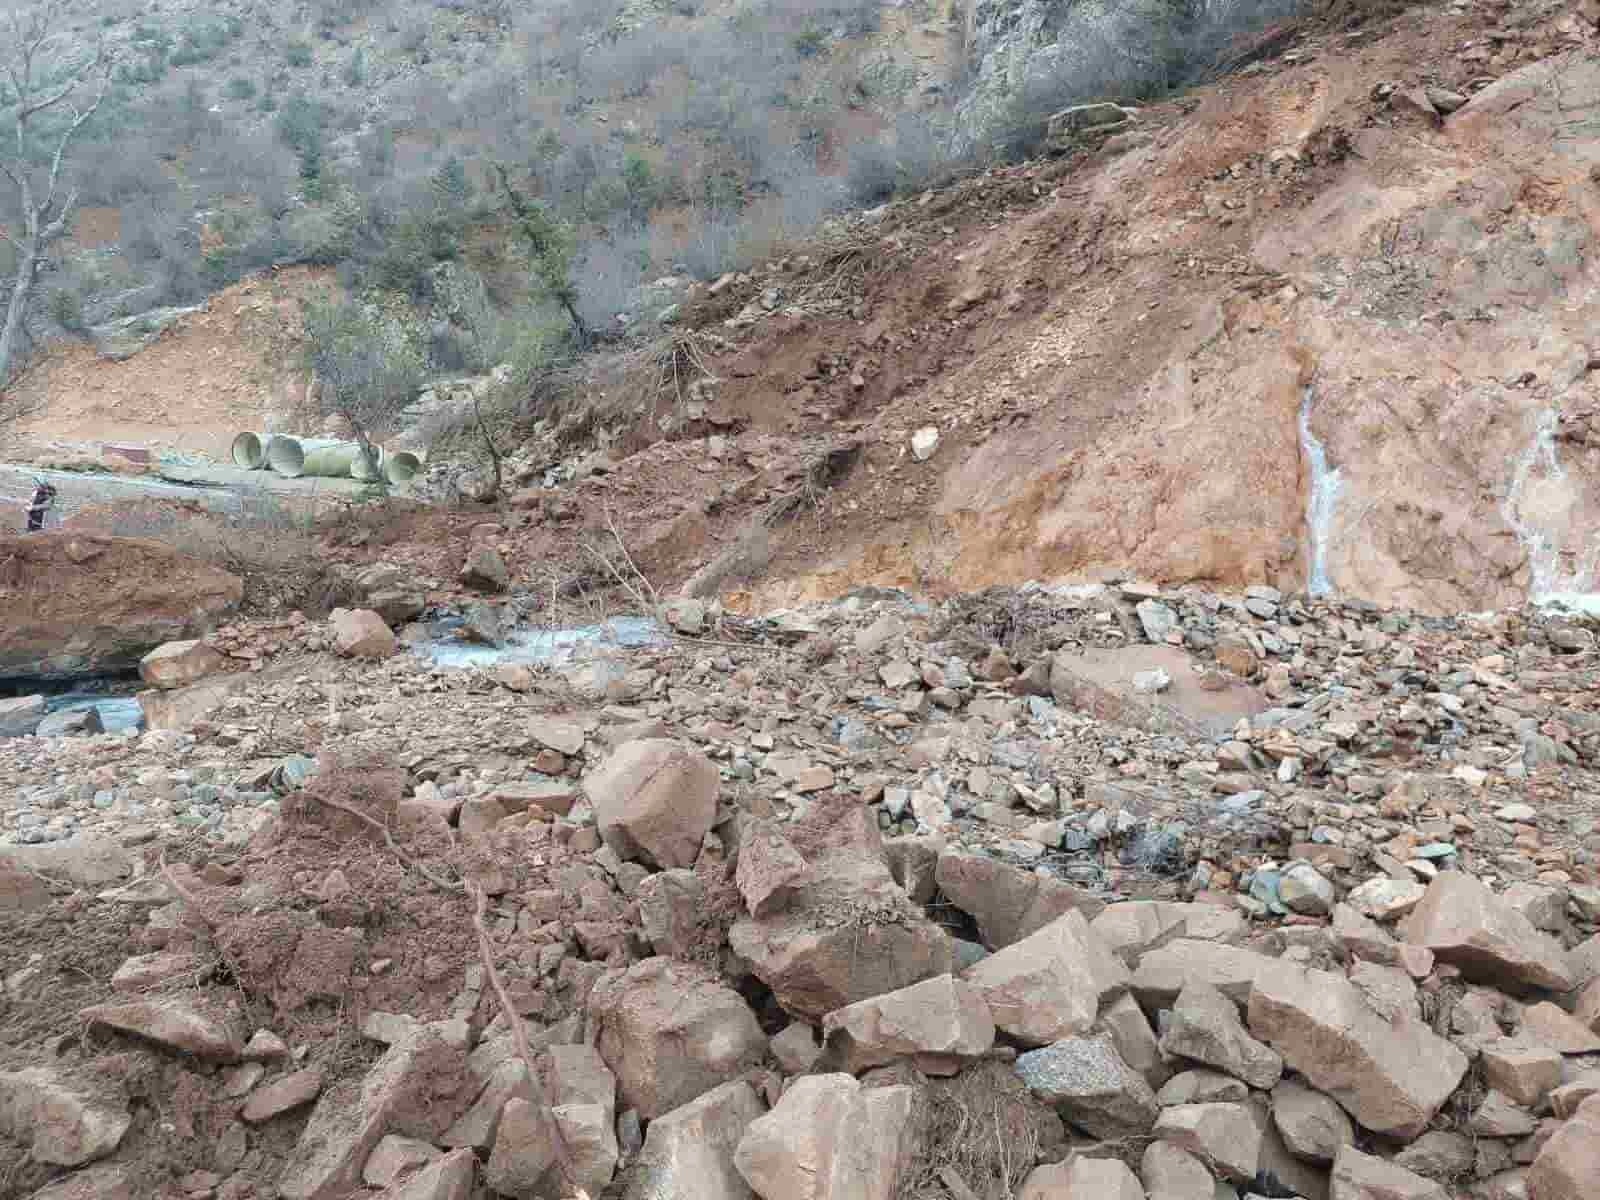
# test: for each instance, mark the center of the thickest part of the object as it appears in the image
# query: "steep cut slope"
(1309, 331)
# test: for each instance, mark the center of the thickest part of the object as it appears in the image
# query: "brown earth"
(84, 603)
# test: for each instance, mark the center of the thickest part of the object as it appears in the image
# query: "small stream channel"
(111, 695)
(443, 645)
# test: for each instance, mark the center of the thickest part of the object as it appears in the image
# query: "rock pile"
(1312, 913)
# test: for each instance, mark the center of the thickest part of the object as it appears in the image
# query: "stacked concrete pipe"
(323, 458)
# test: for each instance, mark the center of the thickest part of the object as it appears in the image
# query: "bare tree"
(53, 88)
(365, 375)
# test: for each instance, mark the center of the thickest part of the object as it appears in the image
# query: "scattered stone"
(1312, 1125)
(655, 801)
(395, 1156)
(1568, 1166)
(1358, 1176)
(770, 870)
(1201, 1087)
(447, 1178)
(63, 1121)
(1554, 1027)
(1223, 1136)
(177, 664)
(1089, 1085)
(688, 1153)
(1204, 1026)
(1171, 1173)
(924, 442)
(1386, 899)
(283, 1095)
(485, 570)
(1522, 1069)
(670, 1033)
(1303, 889)
(1164, 972)
(20, 715)
(1123, 1021)
(1084, 1178)
(203, 1029)
(361, 633)
(417, 1089)
(671, 908)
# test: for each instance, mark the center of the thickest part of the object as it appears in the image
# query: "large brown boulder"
(361, 633)
(831, 1139)
(1468, 926)
(688, 1152)
(655, 800)
(938, 1024)
(848, 933)
(1392, 1077)
(175, 664)
(83, 604)
(1568, 1166)
(1358, 1176)
(1051, 984)
(671, 1032)
(1007, 902)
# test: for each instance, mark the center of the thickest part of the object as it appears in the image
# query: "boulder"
(1469, 927)
(1133, 926)
(62, 1120)
(579, 1075)
(830, 1138)
(1124, 1022)
(485, 570)
(1358, 1176)
(671, 1032)
(478, 1127)
(1083, 1178)
(417, 1089)
(589, 1141)
(361, 633)
(445, 1178)
(396, 1156)
(104, 602)
(1560, 1030)
(20, 715)
(79, 722)
(815, 963)
(1204, 1026)
(1088, 1084)
(655, 801)
(527, 1160)
(1051, 984)
(672, 911)
(938, 1024)
(1521, 1068)
(1568, 1165)
(1164, 972)
(1201, 1087)
(1223, 1136)
(1007, 902)
(396, 605)
(688, 1153)
(205, 1029)
(770, 871)
(1312, 1125)
(282, 1095)
(84, 860)
(1392, 1078)
(1171, 1173)
(178, 664)
(796, 1049)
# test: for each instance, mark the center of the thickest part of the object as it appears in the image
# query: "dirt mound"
(78, 604)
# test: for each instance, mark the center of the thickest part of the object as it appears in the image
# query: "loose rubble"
(753, 905)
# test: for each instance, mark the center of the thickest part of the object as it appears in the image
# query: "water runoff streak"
(1538, 507)
(1321, 499)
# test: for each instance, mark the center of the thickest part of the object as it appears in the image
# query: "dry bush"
(985, 1126)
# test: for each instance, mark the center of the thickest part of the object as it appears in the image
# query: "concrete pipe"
(401, 467)
(251, 451)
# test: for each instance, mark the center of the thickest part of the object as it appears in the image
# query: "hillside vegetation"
(660, 139)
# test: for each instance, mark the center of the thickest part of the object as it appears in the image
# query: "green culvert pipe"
(324, 458)
(401, 466)
(251, 450)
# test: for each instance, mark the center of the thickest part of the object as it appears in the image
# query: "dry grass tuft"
(985, 1127)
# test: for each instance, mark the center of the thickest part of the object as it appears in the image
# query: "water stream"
(1538, 507)
(1321, 500)
(535, 646)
